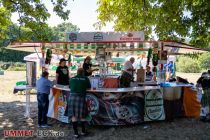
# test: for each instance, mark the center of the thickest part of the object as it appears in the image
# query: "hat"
(62, 60)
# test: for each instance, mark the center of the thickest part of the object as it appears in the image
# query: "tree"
(4, 21)
(171, 19)
(33, 14)
(204, 60)
(60, 30)
(188, 65)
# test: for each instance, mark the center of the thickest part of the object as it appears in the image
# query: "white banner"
(104, 36)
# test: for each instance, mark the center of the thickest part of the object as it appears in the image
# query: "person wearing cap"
(62, 73)
(87, 66)
(77, 109)
(128, 72)
(43, 86)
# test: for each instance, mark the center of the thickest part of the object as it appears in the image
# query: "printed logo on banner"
(62, 102)
(98, 36)
(72, 37)
(123, 112)
(130, 35)
(154, 106)
(92, 104)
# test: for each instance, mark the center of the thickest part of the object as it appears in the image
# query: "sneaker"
(39, 126)
(76, 135)
(45, 126)
(84, 133)
(202, 118)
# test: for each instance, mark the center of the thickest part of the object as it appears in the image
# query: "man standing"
(43, 86)
(128, 72)
(87, 66)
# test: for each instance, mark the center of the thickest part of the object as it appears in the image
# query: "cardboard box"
(141, 75)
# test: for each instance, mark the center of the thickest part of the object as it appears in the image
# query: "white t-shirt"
(128, 65)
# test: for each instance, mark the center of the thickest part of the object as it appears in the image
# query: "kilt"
(76, 106)
(205, 101)
(125, 80)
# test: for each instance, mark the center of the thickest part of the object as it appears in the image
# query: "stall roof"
(173, 47)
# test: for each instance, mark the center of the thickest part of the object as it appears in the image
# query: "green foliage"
(42, 33)
(33, 14)
(17, 68)
(13, 66)
(60, 30)
(174, 20)
(4, 21)
(7, 55)
(188, 65)
(204, 60)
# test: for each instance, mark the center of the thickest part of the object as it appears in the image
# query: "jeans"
(43, 103)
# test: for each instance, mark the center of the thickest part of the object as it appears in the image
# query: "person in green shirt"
(77, 109)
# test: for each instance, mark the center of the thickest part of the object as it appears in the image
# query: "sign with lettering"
(104, 36)
(154, 109)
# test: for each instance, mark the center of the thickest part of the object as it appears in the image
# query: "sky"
(83, 14)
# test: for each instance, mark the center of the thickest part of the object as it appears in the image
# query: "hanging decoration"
(149, 55)
(155, 61)
(48, 56)
(69, 60)
(65, 48)
(154, 56)
(43, 50)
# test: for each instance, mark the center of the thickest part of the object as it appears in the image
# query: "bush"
(12, 55)
(188, 65)
(13, 66)
(204, 61)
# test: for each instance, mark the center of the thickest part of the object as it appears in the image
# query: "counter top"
(131, 89)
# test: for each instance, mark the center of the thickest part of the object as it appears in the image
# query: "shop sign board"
(104, 36)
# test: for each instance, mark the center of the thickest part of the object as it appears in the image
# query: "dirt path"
(12, 118)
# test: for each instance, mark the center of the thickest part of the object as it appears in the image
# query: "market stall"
(109, 104)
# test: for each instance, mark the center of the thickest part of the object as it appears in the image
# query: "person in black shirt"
(62, 73)
(199, 81)
(87, 66)
(149, 74)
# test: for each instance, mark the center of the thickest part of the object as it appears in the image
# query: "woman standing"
(77, 109)
(62, 73)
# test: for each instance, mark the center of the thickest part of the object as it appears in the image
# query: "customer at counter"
(77, 109)
(43, 86)
(62, 73)
(199, 81)
(87, 66)
(127, 74)
(205, 83)
(149, 74)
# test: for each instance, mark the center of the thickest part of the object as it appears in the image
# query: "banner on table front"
(112, 109)
(57, 105)
(154, 109)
